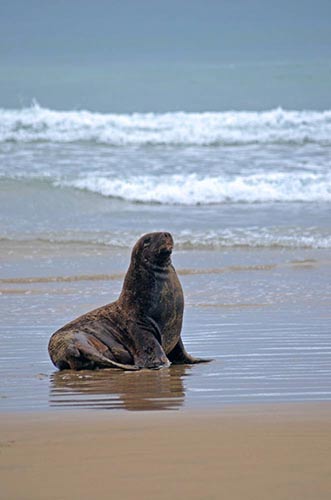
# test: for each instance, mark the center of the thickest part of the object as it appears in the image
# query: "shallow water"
(264, 316)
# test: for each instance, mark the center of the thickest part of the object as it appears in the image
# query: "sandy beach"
(254, 452)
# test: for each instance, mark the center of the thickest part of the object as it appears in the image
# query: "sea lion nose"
(167, 235)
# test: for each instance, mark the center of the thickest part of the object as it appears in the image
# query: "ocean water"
(214, 179)
(247, 197)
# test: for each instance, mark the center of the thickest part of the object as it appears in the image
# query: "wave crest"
(180, 128)
(193, 189)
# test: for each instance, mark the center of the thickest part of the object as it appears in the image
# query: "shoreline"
(242, 451)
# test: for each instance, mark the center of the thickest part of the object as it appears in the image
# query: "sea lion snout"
(166, 244)
(163, 253)
(154, 247)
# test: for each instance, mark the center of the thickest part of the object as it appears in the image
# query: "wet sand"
(253, 452)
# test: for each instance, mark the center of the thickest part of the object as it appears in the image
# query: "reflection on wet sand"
(114, 389)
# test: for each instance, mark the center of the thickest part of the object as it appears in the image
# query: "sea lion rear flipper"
(179, 356)
(86, 345)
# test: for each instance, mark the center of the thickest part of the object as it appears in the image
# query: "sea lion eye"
(147, 242)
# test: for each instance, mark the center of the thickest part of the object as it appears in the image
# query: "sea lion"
(141, 329)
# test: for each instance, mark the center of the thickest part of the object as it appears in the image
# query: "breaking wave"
(35, 124)
(194, 189)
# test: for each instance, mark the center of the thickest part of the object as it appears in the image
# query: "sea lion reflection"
(114, 389)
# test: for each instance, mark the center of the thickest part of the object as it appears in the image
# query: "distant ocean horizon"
(165, 84)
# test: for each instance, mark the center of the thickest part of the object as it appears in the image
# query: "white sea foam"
(251, 237)
(254, 237)
(194, 189)
(209, 128)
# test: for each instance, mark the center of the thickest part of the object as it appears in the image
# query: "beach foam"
(187, 239)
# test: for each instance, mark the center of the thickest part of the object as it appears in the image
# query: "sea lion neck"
(143, 282)
(148, 272)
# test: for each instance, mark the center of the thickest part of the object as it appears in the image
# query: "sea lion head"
(154, 249)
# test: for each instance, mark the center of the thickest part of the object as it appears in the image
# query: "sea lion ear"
(135, 251)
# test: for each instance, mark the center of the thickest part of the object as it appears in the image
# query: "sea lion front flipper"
(179, 356)
(148, 351)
